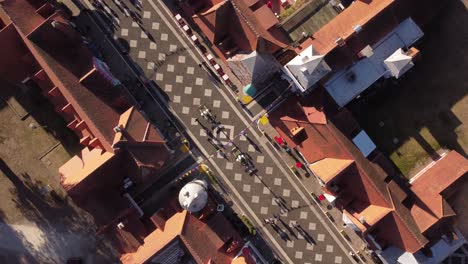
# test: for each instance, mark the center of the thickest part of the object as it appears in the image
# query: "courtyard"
(415, 119)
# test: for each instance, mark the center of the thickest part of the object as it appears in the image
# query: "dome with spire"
(193, 197)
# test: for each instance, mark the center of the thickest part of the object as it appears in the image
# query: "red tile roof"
(363, 190)
(321, 142)
(139, 138)
(23, 14)
(429, 187)
(204, 241)
(358, 13)
(248, 30)
(265, 17)
(51, 48)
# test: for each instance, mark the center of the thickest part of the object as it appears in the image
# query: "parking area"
(416, 118)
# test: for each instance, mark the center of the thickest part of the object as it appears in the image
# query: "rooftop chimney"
(159, 219)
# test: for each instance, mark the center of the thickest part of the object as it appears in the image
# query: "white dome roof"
(193, 196)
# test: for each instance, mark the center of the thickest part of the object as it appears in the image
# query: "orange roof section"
(328, 144)
(79, 167)
(64, 69)
(157, 240)
(136, 128)
(358, 13)
(207, 20)
(429, 186)
(239, 260)
(203, 240)
(374, 213)
(441, 175)
(328, 168)
(266, 18)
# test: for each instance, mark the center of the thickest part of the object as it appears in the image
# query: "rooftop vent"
(357, 28)
(117, 129)
(298, 134)
(340, 42)
(120, 225)
(362, 219)
(367, 51)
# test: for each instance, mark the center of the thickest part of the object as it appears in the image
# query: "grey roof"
(254, 67)
(307, 68)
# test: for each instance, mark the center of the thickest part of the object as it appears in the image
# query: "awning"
(249, 90)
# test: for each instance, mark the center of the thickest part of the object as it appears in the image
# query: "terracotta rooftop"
(157, 240)
(141, 140)
(328, 168)
(358, 13)
(79, 167)
(212, 20)
(429, 187)
(23, 14)
(204, 241)
(239, 27)
(332, 155)
(321, 142)
(265, 16)
(136, 128)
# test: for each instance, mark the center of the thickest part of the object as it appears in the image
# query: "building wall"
(459, 203)
(16, 62)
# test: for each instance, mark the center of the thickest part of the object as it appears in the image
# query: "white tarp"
(398, 63)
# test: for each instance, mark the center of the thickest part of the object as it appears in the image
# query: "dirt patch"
(427, 110)
(38, 223)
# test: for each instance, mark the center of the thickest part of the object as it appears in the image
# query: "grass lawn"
(427, 111)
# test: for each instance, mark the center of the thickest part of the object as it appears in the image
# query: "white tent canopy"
(193, 196)
(398, 63)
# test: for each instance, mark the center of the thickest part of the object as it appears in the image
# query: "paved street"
(166, 56)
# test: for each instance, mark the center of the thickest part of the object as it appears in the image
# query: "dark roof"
(65, 66)
(23, 14)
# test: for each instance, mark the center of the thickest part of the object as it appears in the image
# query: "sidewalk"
(309, 182)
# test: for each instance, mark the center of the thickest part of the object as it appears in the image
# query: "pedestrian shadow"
(306, 235)
(280, 232)
(288, 228)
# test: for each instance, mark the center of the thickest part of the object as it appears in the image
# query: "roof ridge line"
(404, 222)
(238, 11)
